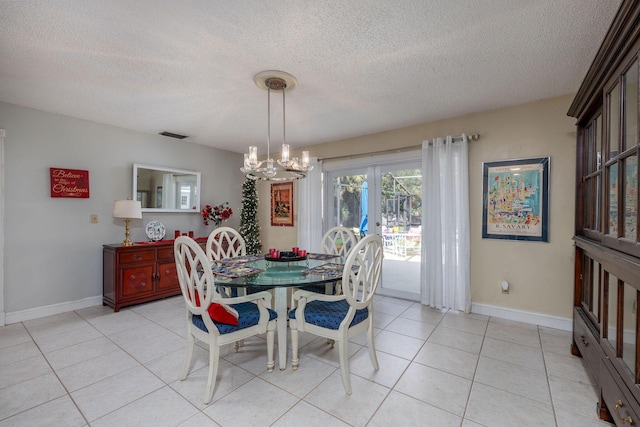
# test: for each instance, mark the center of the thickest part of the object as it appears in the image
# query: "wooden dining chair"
(340, 317)
(215, 320)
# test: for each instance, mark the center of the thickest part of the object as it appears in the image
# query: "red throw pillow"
(220, 313)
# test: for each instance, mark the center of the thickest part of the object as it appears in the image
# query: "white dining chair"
(338, 241)
(225, 242)
(340, 317)
(215, 320)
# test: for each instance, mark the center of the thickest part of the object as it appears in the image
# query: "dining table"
(255, 273)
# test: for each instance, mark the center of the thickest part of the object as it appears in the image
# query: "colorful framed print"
(282, 204)
(516, 199)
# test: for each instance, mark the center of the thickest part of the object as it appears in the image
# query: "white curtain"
(168, 191)
(310, 208)
(445, 224)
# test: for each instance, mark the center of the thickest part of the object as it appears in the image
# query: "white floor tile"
(412, 328)
(517, 354)
(312, 416)
(231, 409)
(115, 392)
(123, 369)
(91, 371)
(229, 378)
(300, 382)
(401, 410)
(437, 388)
(57, 412)
(496, 408)
(447, 359)
(514, 333)
(460, 340)
(23, 370)
(355, 409)
(14, 334)
(515, 379)
(79, 353)
(29, 394)
(390, 369)
(397, 345)
(163, 407)
(18, 352)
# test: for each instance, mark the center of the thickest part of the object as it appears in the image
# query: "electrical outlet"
(94, 218)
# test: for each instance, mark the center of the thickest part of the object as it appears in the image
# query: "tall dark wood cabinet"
(607, 236)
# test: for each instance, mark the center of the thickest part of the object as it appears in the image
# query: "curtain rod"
(470, 138)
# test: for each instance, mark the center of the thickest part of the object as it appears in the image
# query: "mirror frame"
(137, 166)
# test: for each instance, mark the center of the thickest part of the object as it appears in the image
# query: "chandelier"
(287, 168)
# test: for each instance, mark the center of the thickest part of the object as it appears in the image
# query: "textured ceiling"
(363, 66)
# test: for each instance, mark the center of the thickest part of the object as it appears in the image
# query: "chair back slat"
(195, 276)
(338, 241)
(225, 242)
(359, 284)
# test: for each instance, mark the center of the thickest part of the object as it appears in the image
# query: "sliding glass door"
(382, 198)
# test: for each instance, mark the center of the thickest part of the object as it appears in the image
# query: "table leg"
(281, 325)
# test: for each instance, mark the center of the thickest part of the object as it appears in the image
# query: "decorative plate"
(155, 231)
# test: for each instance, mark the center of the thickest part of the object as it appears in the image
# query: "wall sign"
(69, 183)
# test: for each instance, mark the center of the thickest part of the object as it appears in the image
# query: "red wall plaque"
(69, 183)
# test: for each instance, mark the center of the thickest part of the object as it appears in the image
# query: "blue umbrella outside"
(364, 201)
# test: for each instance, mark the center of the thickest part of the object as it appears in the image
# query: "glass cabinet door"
(629, 328)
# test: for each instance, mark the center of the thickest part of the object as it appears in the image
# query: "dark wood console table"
(139, 273)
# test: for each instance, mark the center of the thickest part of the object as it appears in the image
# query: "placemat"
(328, 269)
(235, 270)
(240, 259)
(322, 256)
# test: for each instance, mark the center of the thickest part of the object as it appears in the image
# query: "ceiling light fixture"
(290, 167)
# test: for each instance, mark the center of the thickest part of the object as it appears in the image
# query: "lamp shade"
(131, 209)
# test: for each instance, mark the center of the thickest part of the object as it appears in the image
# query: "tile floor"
(100, 368)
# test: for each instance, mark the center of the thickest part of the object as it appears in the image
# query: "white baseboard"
(540, 319)
(48, 310)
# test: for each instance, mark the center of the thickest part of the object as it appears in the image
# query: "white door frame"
(2, 310)
(370, 165)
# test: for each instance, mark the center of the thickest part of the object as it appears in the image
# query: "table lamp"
(127, 210)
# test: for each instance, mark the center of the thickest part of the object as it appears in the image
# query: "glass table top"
(282, 274)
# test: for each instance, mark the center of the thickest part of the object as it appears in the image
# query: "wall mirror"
(163, 189)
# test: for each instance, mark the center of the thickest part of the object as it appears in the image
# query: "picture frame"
(282, 204)
(515, 196)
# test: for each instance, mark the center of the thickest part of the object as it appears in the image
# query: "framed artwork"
(282, 204)
(515, 198)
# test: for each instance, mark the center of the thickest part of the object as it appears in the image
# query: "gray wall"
(53, 253)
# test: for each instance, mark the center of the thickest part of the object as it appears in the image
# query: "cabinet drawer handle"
(622, 420)
(584, 342)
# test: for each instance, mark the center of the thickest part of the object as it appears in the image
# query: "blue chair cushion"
(248, 315)
(329, 314)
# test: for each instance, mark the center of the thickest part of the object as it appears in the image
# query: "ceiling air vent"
(173, 135)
